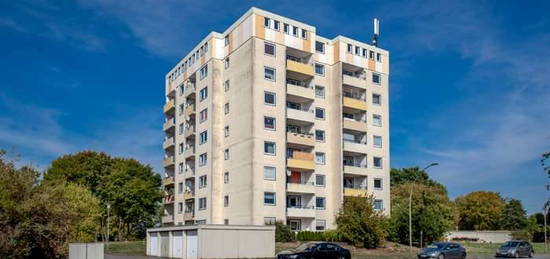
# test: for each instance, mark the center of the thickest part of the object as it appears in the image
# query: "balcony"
(354, 103)
(168, 124)
(170, 106)
(189, 172)
(300, 115)
(169, 161)
(168, 143)
(354, 81)
(360, 126)
(168, 219)
(305, 139)
(355, 192)
(189, 131)
(168, 199)
(301, 187)
(301, 160)
(188, 215)
(189, 89)
(189, 152)
(299, 67)
(300, 212)
(188, 195)
(355, 146)
(355, 169)
(299, 89)
(167, 181)
(189, 110)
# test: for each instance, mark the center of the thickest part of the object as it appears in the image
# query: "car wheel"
(531, 254)
(341, 257)
(463, 256)
(441, 256)
(516, 255)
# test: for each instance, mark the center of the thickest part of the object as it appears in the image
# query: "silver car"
(443, 250)
(515, 248)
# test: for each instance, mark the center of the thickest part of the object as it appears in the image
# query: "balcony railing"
(304, 182)
(169, 199)
(354, 95)
(360, 165)
(354, 74)
(290, 81)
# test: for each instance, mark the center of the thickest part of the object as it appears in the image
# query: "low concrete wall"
(86, 251)
(480, 236)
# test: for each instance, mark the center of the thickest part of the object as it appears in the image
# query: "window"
(365, 53)
(180, 89)
(269, 98)
(203, 115)
(226, 154)
(377, 183)
(376, 78)
(269, 148)
(203, 159)
(270, 173)
(180, 187)
(226, 40)
(320, 203)
(320, 113)
(202, 181)
(226, 177)
(286, 28)
(226, 221)
(269, 198)
(203, 72)
(304, 34)
(320, 158)
(180, 168)
(320, 135)
(295, 31)
(319, 91)
(226, 85)
(266, 22)
(319, 69)
(269, 73)
(350, 48)
(226, 201)
(276, 25)
(203, 137)
(377, 120)
(269, 49)
(378, 205)
(376, 99)
(377, 141)
(180, 129)
(378, 57)
(269, 123)
(377, 161)
(371, 54)
(226, 108)
(357, 50)
(180, 109)
(320, 47)
(269, 220)
(226, 63)
(320, 225)
(226, 131)
(202, 206)
(202, 221)
(320, 179)
(180, 207)
(203, 93)
(180, 148)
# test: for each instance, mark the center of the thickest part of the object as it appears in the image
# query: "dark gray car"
(515, 248)
(443, 250)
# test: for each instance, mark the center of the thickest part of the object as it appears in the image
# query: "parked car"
(515, 248)
(443, 250)
(316, 251)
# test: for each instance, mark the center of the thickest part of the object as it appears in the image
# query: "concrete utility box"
(211, 241)
(86, 250)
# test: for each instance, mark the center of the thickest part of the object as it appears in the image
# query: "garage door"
(154, 244)
(177, 247)
(164, 244)
(191, 244)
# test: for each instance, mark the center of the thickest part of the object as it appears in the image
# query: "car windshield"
(303, 247)
(510, 244)
(436, 245)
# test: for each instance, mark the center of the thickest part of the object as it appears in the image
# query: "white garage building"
(211, 241)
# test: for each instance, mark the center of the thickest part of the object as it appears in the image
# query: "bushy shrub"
(283, 232)
(361, 225)
(310, 236)
(522, 235)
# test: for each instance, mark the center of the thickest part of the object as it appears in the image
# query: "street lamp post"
(410, 206)
(108, 210)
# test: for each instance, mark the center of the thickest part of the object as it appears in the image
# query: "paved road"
(107, 256)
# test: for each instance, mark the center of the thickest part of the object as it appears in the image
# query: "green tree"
(283, 232)
(411, 174)
(480, 210)
(360, 224)
(432, 212)
(132, 189)
(513, 216)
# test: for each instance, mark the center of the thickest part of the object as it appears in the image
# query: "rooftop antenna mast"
(376, 24)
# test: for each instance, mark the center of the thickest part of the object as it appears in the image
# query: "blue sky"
(469, 87)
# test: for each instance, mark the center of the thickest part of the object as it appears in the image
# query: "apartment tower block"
(269, 121)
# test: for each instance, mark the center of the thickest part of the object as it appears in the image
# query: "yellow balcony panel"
(300, 164)
(355, 103)
(169, 161)
(188, 195)
(355, 192)
(189, 216)
(355, 170)
(360, 126)
(167, 181)
(169, 106)
(298, 67)
(300, 139)
(168, 124)
(300, 91)
(189, 110)
(308, 188)
(354, 81)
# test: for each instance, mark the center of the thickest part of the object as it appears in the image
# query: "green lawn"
(126, 248)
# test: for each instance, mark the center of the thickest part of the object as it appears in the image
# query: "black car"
(515, 248)
(443, 250)
(316, 251)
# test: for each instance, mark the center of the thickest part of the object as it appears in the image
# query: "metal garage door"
(177, 244)
(164, 244)
(191, 243)
(154, 244)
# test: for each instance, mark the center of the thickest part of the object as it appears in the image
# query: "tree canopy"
(480, 210)
(513, 216)
(360, 224)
